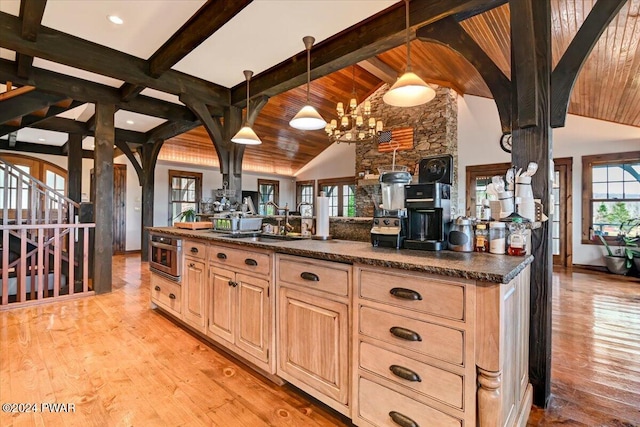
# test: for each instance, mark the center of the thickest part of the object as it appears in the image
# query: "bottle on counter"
(497, 237)
(481, 239)
(517, 241)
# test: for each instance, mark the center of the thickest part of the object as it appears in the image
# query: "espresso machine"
(389, 227)
(428, 205)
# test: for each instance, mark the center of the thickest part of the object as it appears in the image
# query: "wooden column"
(103, 214)
(150, 153)
(532, 141)
(74, 167)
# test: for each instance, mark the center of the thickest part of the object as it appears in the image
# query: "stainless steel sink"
(259, 237)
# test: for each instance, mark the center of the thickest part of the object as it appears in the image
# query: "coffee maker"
(428, 205)
(390, 218)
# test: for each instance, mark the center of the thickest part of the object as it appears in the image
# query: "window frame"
(340, 183)
(474, 172)
(299, 185)
(184, 174)
(588, 162)
(276, 194)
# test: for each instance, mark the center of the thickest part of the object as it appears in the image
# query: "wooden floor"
(120, 363)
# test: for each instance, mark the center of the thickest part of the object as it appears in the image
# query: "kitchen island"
(384, 336)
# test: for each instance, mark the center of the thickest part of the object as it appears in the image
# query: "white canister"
(523, 188)
(506, 203)
(497, 237)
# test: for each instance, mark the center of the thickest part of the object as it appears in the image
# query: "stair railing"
(45, 251)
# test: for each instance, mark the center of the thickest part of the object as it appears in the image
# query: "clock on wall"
(505, 142)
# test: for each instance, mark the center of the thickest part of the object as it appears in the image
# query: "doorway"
(119, 206)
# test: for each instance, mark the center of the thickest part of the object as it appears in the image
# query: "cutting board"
(194, 225)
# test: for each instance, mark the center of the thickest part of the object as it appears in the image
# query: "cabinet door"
(253, 315)
(222, 305)
(193, 293)
(313, 342)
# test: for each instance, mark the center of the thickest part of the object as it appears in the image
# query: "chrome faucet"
(287, 226)
(302, 204)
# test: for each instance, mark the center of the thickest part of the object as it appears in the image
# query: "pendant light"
(409, 90)
(246, 135)
(308, 118)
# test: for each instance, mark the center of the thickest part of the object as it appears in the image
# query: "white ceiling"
(262, 35)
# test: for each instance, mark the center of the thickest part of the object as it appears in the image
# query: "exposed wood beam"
(209, 19)
(65, 49)
(74, 167)
(24, 65)
(11, 93)
(31, 13)
(377, 34)
(524, 67)
(85, 91)
(129, 91)
(31, 120)
(168, 130)
(566, 71)
(26, 104)
(126, 150)
(451, 34)
(256, 104)
(40, 149)
(486, 6)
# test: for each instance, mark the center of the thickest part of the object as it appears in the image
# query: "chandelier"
(356, 124)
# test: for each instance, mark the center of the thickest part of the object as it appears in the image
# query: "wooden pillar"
(150, 153)
(532, 141)
(103, 216)
(74, 167)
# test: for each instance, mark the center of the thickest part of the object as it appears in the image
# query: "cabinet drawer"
(256, 262)
(195, 249)
(426, 338)
(166, 293)
(425, 379)
(419, 293)
(377, 403)
(324, 276)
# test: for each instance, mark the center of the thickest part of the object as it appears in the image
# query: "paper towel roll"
(322, 216)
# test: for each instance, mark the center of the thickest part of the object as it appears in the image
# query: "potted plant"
(187, 215)
(616, 264)
(630, 254)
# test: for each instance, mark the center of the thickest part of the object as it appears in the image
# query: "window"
(610, 193)
(342, 195)
(268, 191)
(185, 192)
(477, 179)
(304, 192)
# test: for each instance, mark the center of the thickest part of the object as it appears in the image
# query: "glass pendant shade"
(308, 119)
(408, 91)
(246, 136)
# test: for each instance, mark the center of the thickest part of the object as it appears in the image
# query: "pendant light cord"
(308, 71)
(408, 36)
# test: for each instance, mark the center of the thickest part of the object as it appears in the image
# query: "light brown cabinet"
(166, 294)
(194, 287)
(241, 311)
(313, 311)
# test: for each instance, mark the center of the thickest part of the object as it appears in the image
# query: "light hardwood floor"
(123, 364)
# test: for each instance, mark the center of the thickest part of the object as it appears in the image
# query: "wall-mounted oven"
(165, 256)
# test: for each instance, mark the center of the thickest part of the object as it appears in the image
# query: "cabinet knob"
(157, 288)
(232, 283)
(405, 334)
(250, 261)
(405, 373)
(172, 296)
(194, 250)
(192, 265)
(221, 255)
(402, 420)
(309, 276)
(406, 294)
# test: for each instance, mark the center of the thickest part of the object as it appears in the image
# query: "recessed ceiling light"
(130, 122)
(41, 139)
(115, 19)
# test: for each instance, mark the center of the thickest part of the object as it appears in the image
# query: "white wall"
(479, 133)
(337, 161)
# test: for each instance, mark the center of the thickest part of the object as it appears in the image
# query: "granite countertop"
(475, 266)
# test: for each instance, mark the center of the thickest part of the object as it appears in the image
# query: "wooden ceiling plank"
(566, 71)
(362, 41)
(16, 92)
(449, 33)
(74, 52)
(85, 91)
(204, 23)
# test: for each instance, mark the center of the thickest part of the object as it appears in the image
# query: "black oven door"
(165, 256)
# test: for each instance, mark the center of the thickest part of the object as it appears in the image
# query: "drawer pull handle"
(405, 334)
(405, 373)
(157, 288)
(406, 294)
(250, 261)
(221, 255)
(402, 420)
(172, 296)
(309, 276)
(194, 250)
(232, 283)
(192, 265)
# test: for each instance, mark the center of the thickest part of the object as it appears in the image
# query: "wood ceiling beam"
(209, 19)
(486, 6)
(31, 120)
(15, 92)
(129, 91)
(40, 149)
(566, 71)
(86, 91)
(63, 48)
(31, 13)
(377, 34)
(26, 104)
(168, 130)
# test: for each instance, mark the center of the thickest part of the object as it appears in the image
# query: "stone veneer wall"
(435, 132)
